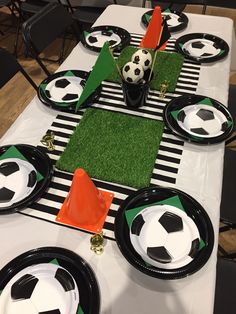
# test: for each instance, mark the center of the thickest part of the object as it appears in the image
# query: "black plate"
(76, 266)
(183, 101)
(42, 164)
(106, 30)
(68, 107)
(183, 20)
(199, 39)
(148, 196)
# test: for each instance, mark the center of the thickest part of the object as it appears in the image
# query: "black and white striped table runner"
(168, 158)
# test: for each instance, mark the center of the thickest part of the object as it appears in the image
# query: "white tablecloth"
(123, 288)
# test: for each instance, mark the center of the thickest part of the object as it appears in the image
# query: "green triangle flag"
(103, 67)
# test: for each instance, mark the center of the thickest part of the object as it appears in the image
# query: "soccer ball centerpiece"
(142, 57)
(17, 180)
(165, 236)
(132, 72)
(42, 288)
(202, 120)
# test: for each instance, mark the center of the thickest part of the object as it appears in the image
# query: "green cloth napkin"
(13, 152)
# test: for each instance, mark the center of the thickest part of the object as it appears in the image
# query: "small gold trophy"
(163, 88)
(48, 140)
(97, 243)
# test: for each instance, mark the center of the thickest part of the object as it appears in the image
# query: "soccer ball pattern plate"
(202, 120)
(67, 89)
(62, 90)
(147, 197)
(176, 21)
(39, 289)
(165, 236)
(42, 164)
(202, 47)
(17, 180)
(25, 282)
(192, 120)
(94, 39)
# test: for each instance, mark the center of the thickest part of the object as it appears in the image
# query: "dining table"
(198, 172)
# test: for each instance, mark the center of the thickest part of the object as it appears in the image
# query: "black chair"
(44, 27)
(26, 9)
(228, 207)
(87, 15)
(9, 67)
(225, 301)
(10, 4)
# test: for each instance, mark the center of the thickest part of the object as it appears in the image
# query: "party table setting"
(110, 180)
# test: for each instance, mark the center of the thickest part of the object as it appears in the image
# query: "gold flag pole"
(155, 55)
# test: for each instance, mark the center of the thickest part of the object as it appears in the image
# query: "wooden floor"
(17, 94)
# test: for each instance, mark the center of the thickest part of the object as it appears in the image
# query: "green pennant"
(55, 262)
(13, 152)
(103, 67)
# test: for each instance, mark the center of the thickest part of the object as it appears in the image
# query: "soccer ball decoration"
(64, 89)
(43, 288)
(132, 72)
(142, 57)
(17, 180)
(165, 236)
(202, 120)
(201, 48)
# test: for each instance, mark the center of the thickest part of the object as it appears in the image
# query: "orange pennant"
(153, 33)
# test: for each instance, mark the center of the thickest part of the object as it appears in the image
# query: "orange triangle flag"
(152, 37)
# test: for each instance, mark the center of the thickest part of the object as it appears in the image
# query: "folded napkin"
(167, 67)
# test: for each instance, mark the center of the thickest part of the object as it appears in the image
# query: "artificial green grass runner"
(167, 67)
(114, 147)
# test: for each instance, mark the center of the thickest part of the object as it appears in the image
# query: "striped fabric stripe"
(167, 162)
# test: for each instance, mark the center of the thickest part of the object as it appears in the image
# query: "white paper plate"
(98, 38)
(17, 180)
(40, 288)
(201, 47)
(161, 248)
(202, 120)
(173, 20)
(66, 89)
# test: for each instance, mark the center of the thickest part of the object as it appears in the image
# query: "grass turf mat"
(114, 147)
(167, 67)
